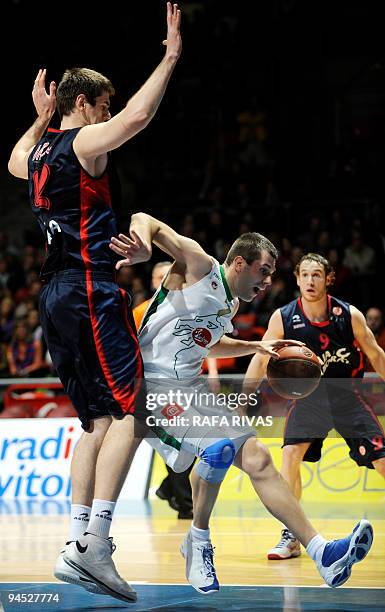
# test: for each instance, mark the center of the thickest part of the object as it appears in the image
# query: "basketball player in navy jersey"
(85, 317)
(338, 334)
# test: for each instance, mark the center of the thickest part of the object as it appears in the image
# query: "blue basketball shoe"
(336, 558)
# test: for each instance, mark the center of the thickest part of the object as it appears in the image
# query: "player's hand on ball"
(270, 347)
(134, 249)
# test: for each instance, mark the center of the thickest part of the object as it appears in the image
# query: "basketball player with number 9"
(338, 334)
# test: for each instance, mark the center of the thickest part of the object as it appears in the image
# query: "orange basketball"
(296, 374)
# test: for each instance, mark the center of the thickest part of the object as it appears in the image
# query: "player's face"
(312, 281)
(255, 277)
(100, 112)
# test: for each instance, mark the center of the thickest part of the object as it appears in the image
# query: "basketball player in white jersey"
(185, 322)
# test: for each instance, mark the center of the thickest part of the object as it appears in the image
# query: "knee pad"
(216, 460)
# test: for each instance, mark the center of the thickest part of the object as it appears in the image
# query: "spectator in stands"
(360, 258)
(4, 272)
(375, 322)
(341, 286)
(7, 313)
(24, 354)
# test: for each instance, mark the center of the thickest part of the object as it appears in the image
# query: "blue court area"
(182, 598)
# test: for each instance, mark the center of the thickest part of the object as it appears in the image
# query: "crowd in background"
(351, 243)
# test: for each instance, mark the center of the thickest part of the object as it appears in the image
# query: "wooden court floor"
(148, 548)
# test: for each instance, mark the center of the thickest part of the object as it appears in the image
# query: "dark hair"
(76, 81)
(319, 259)
(250, 246)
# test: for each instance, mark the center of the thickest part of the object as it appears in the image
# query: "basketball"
(296, 374)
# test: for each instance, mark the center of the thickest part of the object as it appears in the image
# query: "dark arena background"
(273, 121)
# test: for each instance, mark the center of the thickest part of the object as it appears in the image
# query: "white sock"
(80, 516)
(315, 545)
(199, 534)
(101, 517)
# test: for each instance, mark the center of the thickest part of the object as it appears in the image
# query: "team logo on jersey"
(201, 336)
(42, 150)
(340, 356)
(214, 285)
(337, 310)
(171, 410)
(297, 322)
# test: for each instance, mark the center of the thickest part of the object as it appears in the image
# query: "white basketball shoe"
(200, 570)
(287, 547)
(90, 555)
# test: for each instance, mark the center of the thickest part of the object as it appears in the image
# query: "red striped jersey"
(331, 340)
(74, 209)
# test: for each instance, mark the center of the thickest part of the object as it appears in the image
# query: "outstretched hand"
(134, 250)
(270, 347)
(45, 103)
(174, 39)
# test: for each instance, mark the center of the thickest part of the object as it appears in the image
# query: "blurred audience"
(375, 321)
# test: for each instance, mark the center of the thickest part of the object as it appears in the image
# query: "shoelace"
(285, 538)
(208, 560)
(113, 546)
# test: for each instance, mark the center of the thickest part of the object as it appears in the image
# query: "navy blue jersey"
(331, 340)
(74, 209)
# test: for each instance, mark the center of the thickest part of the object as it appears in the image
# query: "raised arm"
(145, 230)
(45, 104)
(365, 338)
(95, 140)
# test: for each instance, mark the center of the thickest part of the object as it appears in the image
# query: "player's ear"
(330, 279)
(80, 101)
(239, 263)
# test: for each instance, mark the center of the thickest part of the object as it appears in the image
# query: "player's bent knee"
(256, 460)
(216, 460)
(293, 453)
(220, 454)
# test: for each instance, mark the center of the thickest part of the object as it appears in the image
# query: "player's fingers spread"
(118, 243)
(117, 250)
(124, 238)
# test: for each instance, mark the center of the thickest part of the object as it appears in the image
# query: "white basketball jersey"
(180, 326)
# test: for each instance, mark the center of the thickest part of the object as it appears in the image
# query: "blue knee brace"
(216, 460)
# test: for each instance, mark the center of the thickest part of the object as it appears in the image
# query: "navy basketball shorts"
(90, 334)
(346, 411)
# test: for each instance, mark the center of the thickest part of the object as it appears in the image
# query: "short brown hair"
(76, 81)
(322, 261)
(250, 246)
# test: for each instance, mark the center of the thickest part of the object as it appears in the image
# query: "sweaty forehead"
(266, 261)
